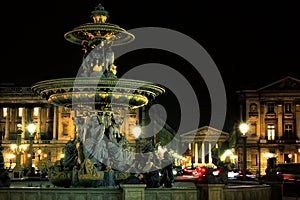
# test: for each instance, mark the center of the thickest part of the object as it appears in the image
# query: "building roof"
(205, 133)
(286, 83)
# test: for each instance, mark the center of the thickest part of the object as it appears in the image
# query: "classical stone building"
(54, 126)
(19, 105)
(273, 115)
(204, 141)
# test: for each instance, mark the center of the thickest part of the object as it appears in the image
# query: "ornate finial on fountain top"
(99, 14)
(91, 34)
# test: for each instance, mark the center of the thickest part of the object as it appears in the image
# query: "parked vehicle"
(288, 171)
(233, 174)
(177, 170)
(249, 175)
(198, 173)
(190, 172)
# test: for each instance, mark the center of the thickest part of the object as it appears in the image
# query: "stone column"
(55, 117)
(23, 121)
(262, 119)
(43, 119)
(133, 191)
(196, 152)
(241, 111)
(203, 152)
(280, 122)
(193, 153)
(297, 118)
(12, 123)
(38, 117)
(7, 121)
(209, 153)
(48, 119)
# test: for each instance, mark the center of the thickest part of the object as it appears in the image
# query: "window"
(4, 112)
(36, 111)
(271, 132)
(253, 129)
(288, 131)
(65, 128)
(20, 112)
(288, 107)
(271, 107)
(254, 160)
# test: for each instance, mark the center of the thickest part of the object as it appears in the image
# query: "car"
(249, 175)
(198, 173)
(177, 170)
(233, 174)
(190, 172)
(288, 171)
(216, 172)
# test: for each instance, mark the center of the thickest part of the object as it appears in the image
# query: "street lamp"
(31, 129)
(18, 149)
(137, 132)
(244, 129)
(39, 151)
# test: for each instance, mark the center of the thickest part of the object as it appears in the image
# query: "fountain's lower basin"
(71, 92)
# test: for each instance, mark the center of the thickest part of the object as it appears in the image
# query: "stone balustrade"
(140, 192)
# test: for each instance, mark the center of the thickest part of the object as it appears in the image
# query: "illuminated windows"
(271, 132)
(4, 112)
(20, 112)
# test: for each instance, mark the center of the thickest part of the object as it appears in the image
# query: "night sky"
(252, 44)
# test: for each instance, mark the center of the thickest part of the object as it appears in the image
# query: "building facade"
(272, 113)
(202, 143)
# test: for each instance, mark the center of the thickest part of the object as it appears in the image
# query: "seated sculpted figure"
(94, 145)
(114, 130)
(71, 155)
(120, 152)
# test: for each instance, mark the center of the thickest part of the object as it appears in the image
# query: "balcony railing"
(279, 141)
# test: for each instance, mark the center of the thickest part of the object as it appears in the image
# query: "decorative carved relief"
(253, 112)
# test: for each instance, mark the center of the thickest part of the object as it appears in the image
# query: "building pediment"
(287, 83)
(205, 133)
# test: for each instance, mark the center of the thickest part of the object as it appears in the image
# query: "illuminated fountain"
(97, 98)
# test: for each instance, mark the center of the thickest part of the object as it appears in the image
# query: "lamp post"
(31, 129)
(137, 132)
(18, 149)
(244, 129)
(39, 151)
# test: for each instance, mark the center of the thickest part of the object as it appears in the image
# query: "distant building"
(201, 144)
(273, 115)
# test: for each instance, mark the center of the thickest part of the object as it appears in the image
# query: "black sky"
(252, 44)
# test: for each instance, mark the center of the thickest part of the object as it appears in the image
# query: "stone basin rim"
(85, 82)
